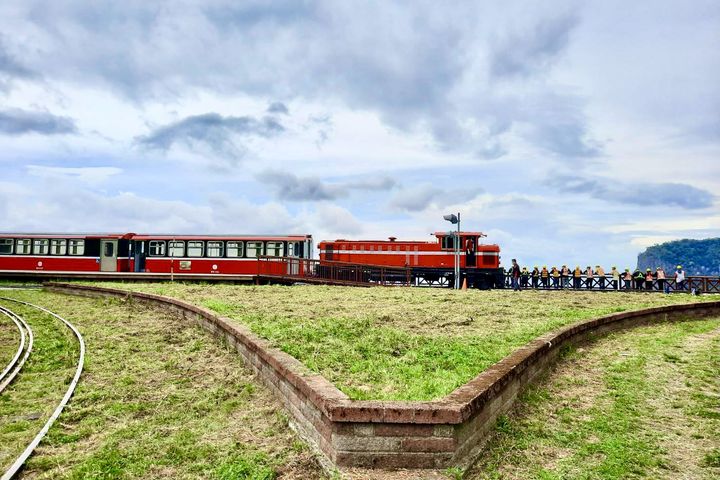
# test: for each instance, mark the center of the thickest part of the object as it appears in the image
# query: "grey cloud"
(533, 50)
(416, 68)
(559, 126)
(21, 122)
(278, 107)
(492, 151)
(420, 197)
(291, 187)
(11, 68)
(416, 199)
(566, 139)
(639, 193)
(213, 131)
(372, 183)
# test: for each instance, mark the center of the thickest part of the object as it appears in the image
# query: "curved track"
(26, 343)
(20, 461)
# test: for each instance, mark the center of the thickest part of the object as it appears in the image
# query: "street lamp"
(452, 218)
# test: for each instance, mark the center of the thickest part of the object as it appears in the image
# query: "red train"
(431, 263)
(130, 252)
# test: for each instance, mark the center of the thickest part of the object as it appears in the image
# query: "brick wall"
(386, 434)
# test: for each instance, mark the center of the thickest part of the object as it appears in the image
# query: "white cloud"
(93, 175)
(388, 123)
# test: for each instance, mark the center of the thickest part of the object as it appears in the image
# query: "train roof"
(63, 235)
(178, 236)
(415, 242)
(153, 236)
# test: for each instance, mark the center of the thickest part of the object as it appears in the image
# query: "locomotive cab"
(469, 245)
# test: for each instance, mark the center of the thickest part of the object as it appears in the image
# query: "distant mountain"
(698, 257)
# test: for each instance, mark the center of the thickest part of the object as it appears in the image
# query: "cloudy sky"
(568, 131)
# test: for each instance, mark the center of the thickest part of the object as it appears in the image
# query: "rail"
(692, 284)
(23, 352)
(20, 461)
(331, 272)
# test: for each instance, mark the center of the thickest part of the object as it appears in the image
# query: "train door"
(108, 255)
(294, 251)
(139, 251)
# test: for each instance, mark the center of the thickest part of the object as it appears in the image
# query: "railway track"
(23, 351)
(15, 366)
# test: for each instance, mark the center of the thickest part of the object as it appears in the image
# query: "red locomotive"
(431, 263)
(130, 252)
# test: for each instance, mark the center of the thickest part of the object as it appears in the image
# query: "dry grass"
(644, 403)
(401, 343)
(160, 398)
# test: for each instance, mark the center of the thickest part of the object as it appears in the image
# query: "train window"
(156, 248)
(294, 249)
(109, 249)
(41, 246)
(176, 249)
(234, 249)
(6, 246)
(275, 249)
(215, 249)
(448, 242)
(254, 249)
(58, 246)
(77, 247)
(23, 246)
(195, 248)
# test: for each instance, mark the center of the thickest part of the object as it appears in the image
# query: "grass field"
(159, 398)
(9, 340)
(637, 404)
(401, 343)
(26, 404)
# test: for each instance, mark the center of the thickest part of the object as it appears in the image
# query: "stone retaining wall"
(395, 434)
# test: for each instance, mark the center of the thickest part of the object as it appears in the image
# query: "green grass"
(638, 404)
(30, 400)
(401, 343)
(159, 398)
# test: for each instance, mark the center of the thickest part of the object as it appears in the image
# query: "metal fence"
(691, 284)
(342, 273)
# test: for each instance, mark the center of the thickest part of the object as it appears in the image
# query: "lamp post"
(455, 219)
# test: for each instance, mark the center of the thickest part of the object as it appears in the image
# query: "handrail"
(702, 284)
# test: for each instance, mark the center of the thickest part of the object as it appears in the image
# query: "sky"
(570, 132)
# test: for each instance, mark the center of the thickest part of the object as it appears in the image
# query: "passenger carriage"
(130, 252)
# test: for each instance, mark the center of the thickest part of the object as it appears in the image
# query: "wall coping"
(455, 408)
